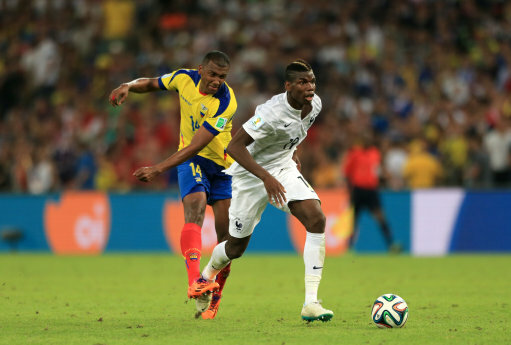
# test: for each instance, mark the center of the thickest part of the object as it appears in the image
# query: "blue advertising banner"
(19, 213)
(425, 222)
(483, 223)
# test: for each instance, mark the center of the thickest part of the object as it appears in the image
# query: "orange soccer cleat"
(213, 307)
(200, 287)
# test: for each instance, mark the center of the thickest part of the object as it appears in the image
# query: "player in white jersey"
(267, 169)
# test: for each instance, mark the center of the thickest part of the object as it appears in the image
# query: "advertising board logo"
(173, 221)
(339, 223)
(78, 224)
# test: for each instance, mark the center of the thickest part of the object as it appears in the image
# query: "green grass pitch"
(119, 299)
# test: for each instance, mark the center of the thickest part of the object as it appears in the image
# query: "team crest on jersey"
(256, 121)
(193, 256)
(203, 110)
(221, 122)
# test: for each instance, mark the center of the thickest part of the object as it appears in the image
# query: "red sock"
(191, 245)
(221, 277)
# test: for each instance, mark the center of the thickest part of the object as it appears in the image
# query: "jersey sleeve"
(259, 126)
(169, 81)
(218, 119)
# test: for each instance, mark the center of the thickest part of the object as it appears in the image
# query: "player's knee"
(235, 253)
(222, 232)
(221, 236)
(234, 249)
(321, 222)
(197, 205)
(194, 210)
(317, 223)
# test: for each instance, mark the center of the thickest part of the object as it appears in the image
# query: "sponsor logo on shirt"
(184, 99)
(256, 121)
(221, 122)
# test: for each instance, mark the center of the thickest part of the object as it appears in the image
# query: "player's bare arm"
(237, 149)
(297, 160)
(199, 141)
(140, 85)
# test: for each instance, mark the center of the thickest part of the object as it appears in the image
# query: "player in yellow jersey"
(207, 106)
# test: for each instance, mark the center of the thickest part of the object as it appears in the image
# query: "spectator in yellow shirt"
(422, 169)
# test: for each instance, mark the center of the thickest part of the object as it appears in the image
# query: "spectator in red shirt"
(361, 169)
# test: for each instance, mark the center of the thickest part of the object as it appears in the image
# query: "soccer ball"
(390, 311)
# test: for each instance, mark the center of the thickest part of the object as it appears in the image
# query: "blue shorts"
(200, 174)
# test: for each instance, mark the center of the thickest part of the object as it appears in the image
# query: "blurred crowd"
(429, 80)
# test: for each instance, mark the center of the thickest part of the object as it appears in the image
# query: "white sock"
(218, 261)
(313, 257)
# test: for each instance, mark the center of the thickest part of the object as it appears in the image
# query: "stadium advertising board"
(425, 222)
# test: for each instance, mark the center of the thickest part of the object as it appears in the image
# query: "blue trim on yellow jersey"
(193, 74)
(160, 84)
(211, 129)
(224, 96)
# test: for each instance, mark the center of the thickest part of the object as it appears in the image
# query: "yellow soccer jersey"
(214, 112)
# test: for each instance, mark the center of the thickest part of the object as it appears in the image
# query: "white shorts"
(249, 198)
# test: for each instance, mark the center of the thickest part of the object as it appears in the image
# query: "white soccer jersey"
(277, 129)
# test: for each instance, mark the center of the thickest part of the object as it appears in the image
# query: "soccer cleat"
(200, 287)
(202, 302)
(213, 307)
(314, 311)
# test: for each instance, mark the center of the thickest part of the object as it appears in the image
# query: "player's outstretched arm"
(199, 141)
(237, 149)
(140, 85)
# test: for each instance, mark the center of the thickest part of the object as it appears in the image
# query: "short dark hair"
(218, 57)
(295, 67)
